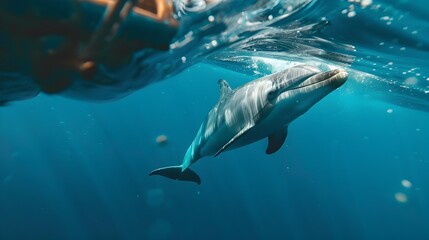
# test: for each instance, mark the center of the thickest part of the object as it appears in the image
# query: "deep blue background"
(79, 170)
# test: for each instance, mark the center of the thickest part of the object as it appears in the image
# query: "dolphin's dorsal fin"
(225, 89)
(237, 136)
(275, 141)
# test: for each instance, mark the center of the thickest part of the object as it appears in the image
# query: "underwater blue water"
(79, 170)
(354, 167)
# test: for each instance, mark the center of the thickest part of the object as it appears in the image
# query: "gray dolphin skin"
(262, 108)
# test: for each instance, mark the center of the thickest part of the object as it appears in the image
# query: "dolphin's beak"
(324, 83)
(334, 78)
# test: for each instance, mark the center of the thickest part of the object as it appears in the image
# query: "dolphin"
(262, 108)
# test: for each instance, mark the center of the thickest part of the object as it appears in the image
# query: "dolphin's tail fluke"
(176, 173)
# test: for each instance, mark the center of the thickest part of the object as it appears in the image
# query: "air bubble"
(411, 81)
(386, 18)
(351, 14)
(401, 197)
(161, 139)
(366, 3)
(406, 183)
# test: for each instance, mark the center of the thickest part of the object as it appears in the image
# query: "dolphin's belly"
(276, 122)
(216, 141)
(253, 135)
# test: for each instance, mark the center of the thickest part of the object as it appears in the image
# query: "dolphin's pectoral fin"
(275, 141)
(176, 173)
(237, 136)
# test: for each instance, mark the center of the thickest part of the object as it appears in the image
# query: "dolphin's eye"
(272, 94)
